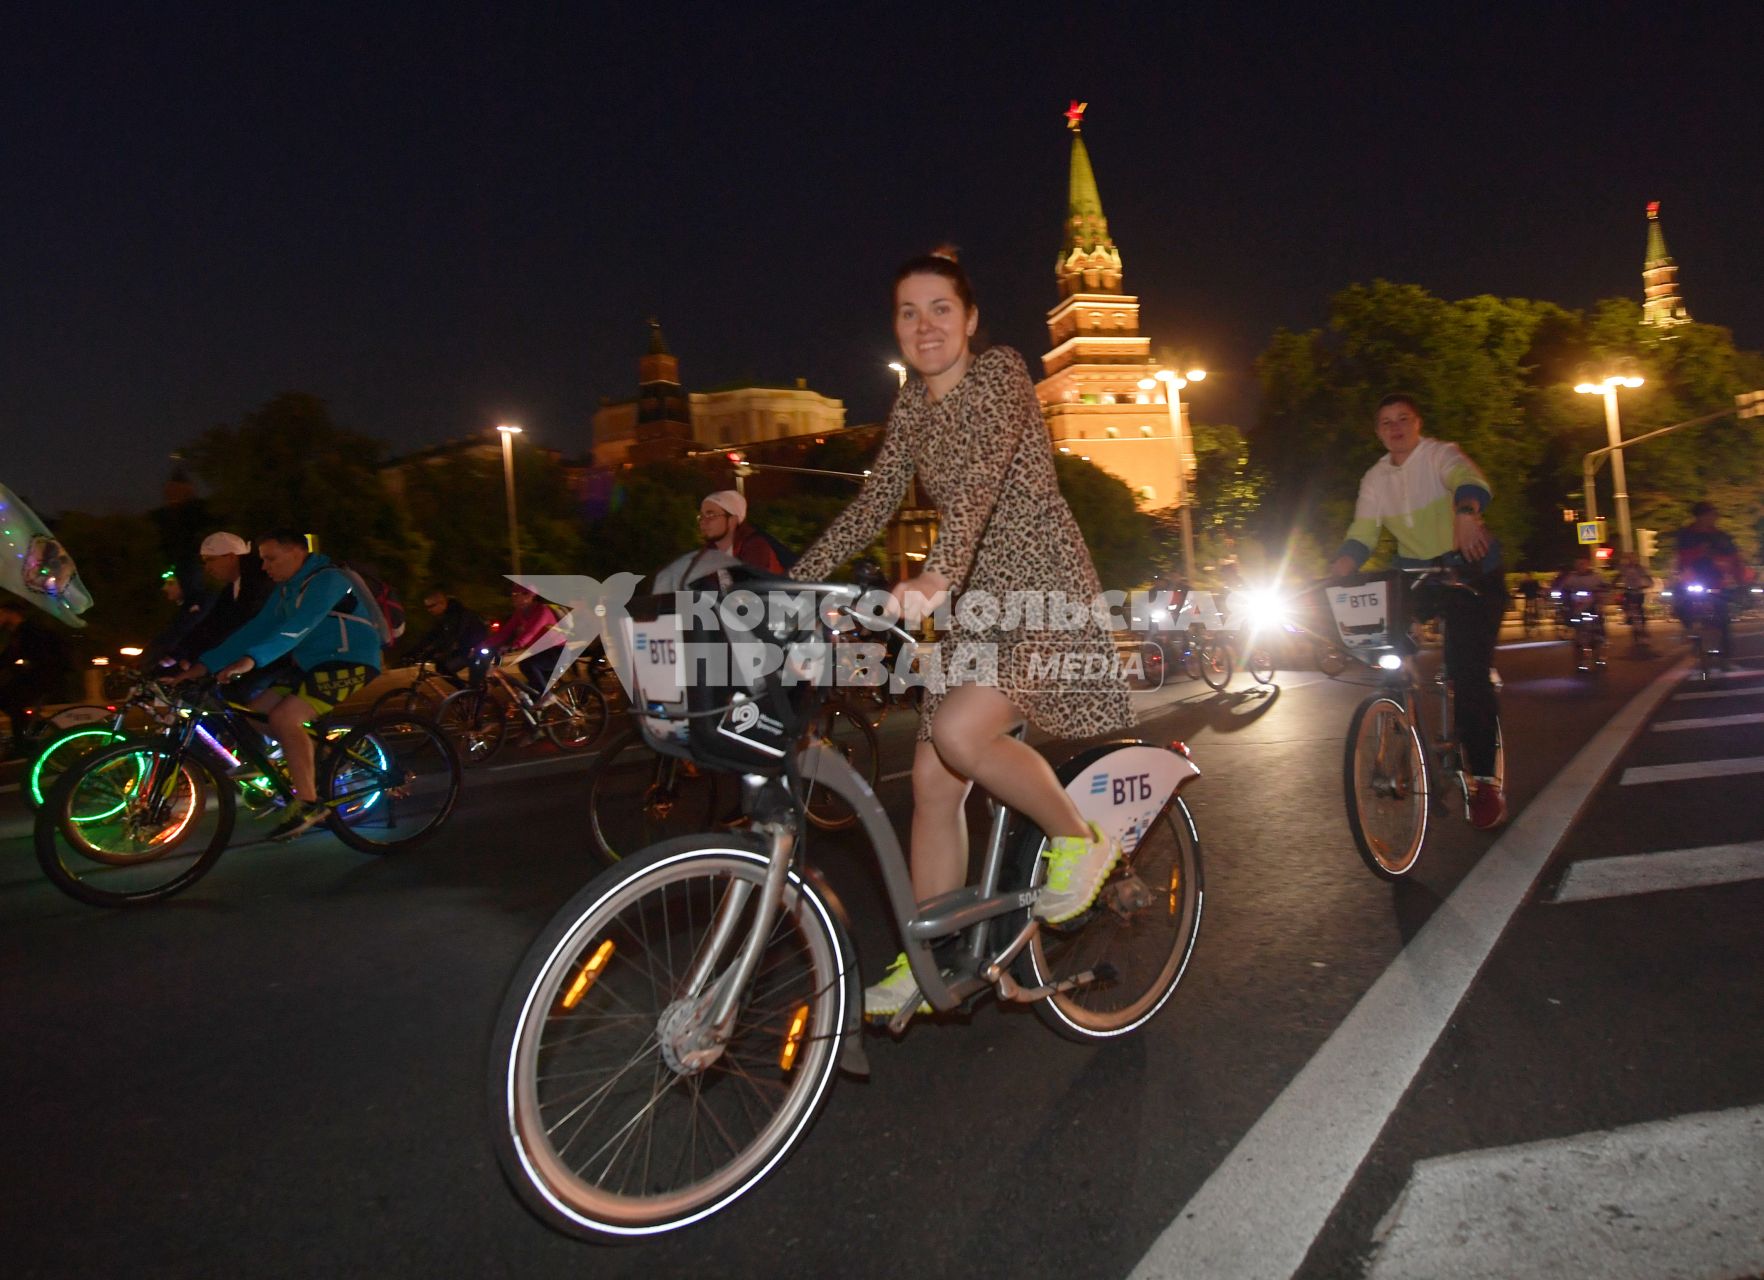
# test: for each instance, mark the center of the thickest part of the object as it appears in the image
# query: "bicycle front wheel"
(636, 798)
(391, 782)
(1137, 937)
(131, 824)
(617, 1113)
(1385, 778)
(59, 753)
(1261, 666)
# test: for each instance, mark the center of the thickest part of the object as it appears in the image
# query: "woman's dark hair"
(941, 261)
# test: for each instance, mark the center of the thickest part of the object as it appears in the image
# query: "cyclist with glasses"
(1431, 497)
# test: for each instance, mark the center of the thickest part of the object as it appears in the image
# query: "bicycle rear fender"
(1123, 786)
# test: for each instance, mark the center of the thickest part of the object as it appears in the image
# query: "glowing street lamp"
(1173, 384)
(509, 431)
(1607, 387)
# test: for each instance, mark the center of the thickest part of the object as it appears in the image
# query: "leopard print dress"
(983, 454)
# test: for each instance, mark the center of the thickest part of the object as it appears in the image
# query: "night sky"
(437, 218)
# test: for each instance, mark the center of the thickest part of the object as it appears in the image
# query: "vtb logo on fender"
(1131, 787)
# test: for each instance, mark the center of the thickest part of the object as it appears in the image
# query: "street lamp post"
(1614, 432)
(1173, 384)
(508, 431)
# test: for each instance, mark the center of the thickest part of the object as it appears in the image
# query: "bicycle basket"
(1364, 614)
(728, 679)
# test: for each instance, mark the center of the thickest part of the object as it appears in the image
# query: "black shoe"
(301, 819)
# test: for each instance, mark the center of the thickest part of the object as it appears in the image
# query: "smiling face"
(1399, 430)
(933, 326)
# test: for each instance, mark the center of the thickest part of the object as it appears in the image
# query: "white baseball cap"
(224, 544)
(730, 501)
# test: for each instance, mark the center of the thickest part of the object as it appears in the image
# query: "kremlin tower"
(1091, 396)
(1663, 308)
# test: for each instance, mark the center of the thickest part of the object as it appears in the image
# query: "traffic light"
(1570, 515)
(1601, 554)
(1647, 541)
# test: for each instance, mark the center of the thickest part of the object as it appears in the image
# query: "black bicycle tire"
(476, 699)
(1350, 788)
(1260, 664)
(592, 694)
(530, 1172)
(697, 819)
(47, 830)
(866, 731)
(337, 754)
(1222, 652)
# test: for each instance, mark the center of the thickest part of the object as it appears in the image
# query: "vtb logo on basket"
(745, 721)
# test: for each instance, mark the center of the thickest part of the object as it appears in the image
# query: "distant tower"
(664, 415)
(1091, 396)
(1663, 307)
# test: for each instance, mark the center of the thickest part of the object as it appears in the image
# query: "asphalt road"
(282, 1071)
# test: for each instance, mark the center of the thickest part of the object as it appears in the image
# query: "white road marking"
(1653, 872)
(1531, 644)
(1262, 1208)
(1708, 722)
(1680, 1197)
(1690, 770)
(1718, 693)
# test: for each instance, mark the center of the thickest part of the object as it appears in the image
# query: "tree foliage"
(1497, 375)
(1117, 533)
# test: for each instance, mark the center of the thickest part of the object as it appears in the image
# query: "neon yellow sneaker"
(1076, 869)
(884, 999)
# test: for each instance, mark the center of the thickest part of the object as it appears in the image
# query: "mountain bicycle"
(143, 819)
(423, 696)
(1397, 764)
(574, 714)
(672, 1033)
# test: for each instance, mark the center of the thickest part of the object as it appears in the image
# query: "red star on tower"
(1075, 114)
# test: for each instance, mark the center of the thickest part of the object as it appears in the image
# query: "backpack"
(375, 602)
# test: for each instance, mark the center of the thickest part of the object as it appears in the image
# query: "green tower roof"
(1656, 236)
(1086, 227)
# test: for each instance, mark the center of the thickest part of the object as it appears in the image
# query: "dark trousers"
(1472, 622)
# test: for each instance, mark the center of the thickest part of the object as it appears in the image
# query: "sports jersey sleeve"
(271, 634)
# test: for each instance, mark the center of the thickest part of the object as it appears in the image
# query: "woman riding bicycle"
(969, 425)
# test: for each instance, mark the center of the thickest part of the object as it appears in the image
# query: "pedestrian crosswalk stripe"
(1690, 770)
(1708, 722)
(1718, 693)
(1654, 872)
(1678, 1197)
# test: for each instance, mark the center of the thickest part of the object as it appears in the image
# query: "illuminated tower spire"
(1662, 307)
(1089, 262)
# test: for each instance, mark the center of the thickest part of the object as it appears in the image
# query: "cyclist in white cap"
(722, 523)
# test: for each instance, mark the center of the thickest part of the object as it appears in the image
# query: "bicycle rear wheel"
(392, 782)
(1214, 660)
(578, 718)
(1260, 663)
(477, 723)
(1385, 778)
(133, 823)
(636, 798)
(846, 731)
(1137, 937)
(603, 1125)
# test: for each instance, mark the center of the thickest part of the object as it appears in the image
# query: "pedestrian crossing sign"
(1590, 531)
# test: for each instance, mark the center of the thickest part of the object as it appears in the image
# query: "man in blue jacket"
(322, 646)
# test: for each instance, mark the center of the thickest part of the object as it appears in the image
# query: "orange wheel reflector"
(590, 972)
(793, 1037)
(1175, 888)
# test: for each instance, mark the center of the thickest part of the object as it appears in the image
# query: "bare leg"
(287, 723)
(940, 828)
(972, 737)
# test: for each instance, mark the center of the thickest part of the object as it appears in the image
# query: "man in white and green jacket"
(1431, 497)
